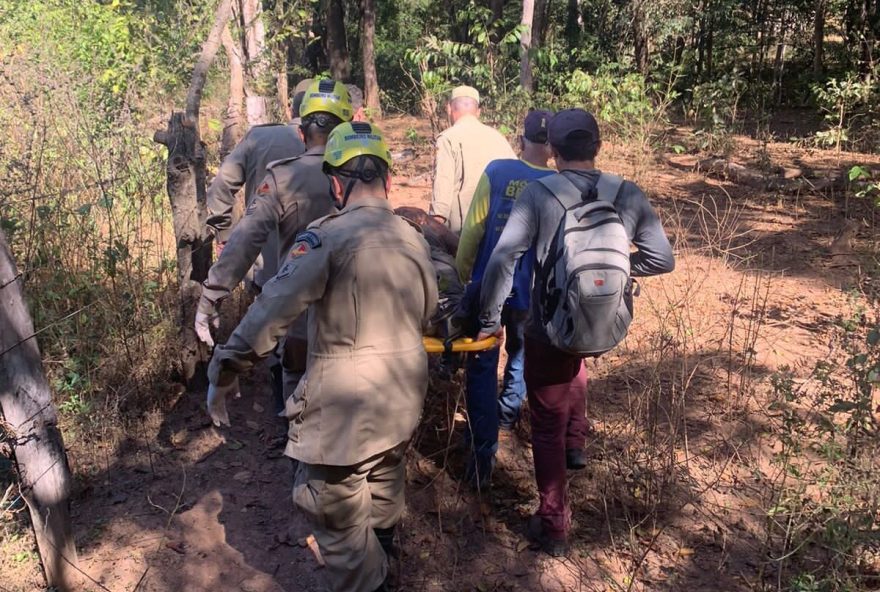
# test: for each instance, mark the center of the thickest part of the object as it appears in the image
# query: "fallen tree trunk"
(787, 179)
(727, 169)
(26, 403)
(185, 180)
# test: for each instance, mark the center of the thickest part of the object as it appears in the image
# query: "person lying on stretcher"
(454, 325)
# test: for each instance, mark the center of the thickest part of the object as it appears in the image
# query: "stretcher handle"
(434, 345)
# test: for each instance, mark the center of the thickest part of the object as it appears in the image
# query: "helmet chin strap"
(348, 187)
(359, 174)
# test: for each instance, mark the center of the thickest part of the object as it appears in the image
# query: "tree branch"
(209, 51)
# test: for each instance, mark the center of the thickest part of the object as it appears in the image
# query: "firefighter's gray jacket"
(293, 193)
(246, 166)
(366, 277)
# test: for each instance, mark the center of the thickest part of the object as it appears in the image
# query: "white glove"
(204, 322)
(217, 402)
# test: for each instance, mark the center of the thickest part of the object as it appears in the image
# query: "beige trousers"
(344, 505)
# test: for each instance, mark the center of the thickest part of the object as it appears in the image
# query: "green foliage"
(86, 37)
(630, 107)
(109, 50)
(488, 60)
(83, 206)
(825, 499)
(846, 103)
(805, 583)
(626, 104)
(24, 556)
(287, 25)
(716, 104)
(866, 185)
(723, 62)
(414, 137)
(715, 107)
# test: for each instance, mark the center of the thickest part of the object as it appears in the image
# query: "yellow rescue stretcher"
(436, 345)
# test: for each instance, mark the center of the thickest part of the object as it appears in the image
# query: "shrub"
(849, 106)
(826, 502)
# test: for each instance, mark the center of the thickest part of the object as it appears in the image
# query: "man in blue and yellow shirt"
(501, 183)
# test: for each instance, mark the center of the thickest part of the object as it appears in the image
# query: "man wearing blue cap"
(556, 379)
(497, 191)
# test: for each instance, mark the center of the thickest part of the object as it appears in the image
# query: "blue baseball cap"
(536, 124)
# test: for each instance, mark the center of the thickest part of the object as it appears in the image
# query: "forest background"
(84, 85)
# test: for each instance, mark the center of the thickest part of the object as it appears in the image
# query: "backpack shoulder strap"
(562, 189)
(608, 187)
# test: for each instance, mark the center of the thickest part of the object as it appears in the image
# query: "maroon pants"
(556, 383)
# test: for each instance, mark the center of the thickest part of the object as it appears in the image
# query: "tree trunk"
(762, 36)
(253, 44)
(779, 60)
(819, 39)
(315, 52)
(234, 124)
(756, 37)
(525, 67)
(26, 403)
(539, 23)
(371, 80)
(337, 47)
(572, 24)
(870, 29)
(640, 36)
(284, 93)
(497, 8)
(281, 51)
(185, 180)
(710, 48)
(701, 47)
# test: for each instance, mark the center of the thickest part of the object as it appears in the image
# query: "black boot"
(575, 459)
(386, 539)
(555, 547)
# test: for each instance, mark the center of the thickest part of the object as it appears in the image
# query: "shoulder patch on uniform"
(286, 269)
(310, 238)
(305, 242)
(264, 188)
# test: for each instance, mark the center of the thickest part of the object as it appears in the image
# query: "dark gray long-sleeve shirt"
(533, 222)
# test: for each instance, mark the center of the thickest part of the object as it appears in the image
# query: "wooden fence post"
(26, 403)
(186, 174)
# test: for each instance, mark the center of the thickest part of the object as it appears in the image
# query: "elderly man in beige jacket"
(463, 151)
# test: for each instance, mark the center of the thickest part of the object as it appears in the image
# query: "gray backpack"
(585, 287)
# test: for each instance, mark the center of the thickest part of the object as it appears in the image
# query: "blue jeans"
(486, 410)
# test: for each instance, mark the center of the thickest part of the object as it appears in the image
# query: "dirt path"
(186, 508)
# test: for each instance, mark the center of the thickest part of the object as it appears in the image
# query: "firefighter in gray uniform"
(366, 277)
(246, 166)
(294, 192)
